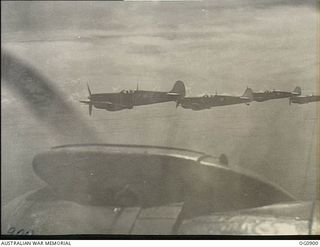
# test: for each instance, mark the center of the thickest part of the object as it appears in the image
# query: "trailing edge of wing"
(295, 93)
(173, 94)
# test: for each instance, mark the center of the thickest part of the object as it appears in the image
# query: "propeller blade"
(89, 91)
(90, 109)
(44, 100)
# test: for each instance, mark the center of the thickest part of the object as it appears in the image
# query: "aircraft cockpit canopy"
(207, 96)
(125, 91)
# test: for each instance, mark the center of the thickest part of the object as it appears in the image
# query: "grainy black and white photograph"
(160, 118)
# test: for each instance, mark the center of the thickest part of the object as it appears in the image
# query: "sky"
(221, 46)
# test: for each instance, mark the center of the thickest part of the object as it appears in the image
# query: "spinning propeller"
(88, 102)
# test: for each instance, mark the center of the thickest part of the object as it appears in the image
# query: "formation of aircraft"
(127, 99)
(125, 189)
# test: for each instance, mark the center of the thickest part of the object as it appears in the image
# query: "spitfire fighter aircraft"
(275, 94)
(127, 99)
(304, 99)
(208, 101)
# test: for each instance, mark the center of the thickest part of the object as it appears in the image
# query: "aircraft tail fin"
(297, 91)
(178, 89)
(248, 94)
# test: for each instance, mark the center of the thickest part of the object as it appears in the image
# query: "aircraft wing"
(231, 97)
(199, 106)
(174, 94)
(108, 103)
(96, 102)
(291, 218)
(104, 220)
(120, 190)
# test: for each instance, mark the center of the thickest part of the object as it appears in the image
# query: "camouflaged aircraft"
(208, 101)
(127, 99)
(275, 94)
(304, 99)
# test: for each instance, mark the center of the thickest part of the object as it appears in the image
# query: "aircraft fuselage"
(268, 95)
(206, 102)
(129, 99)
(305, 99)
